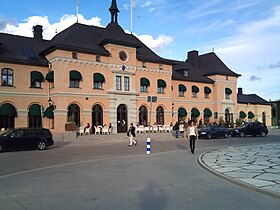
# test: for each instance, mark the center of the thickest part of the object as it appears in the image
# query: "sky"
(245, 34)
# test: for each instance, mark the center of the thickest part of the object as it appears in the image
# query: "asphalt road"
(85, 175)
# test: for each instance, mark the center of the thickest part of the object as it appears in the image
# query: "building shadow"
(153, 197)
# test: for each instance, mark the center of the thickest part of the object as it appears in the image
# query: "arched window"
(35, 116)
(195, 113)
(7, 116)
(97, 115)
(7, 77)
(160, 115)
(98, 80)
(36, 79)
(182, 113)
(228, 117)
(75, 78)
(143, 115)
(73, 114)
(144, 84)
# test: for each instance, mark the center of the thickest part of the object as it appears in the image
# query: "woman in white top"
(192, 135)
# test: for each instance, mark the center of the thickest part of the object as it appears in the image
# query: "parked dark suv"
(20, 138)
(251, 128)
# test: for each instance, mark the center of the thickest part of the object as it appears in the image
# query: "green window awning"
(8, 110)
(242, 115)
(144, 82)
(50, 76)
(38, 76)
(195, 89)
(97, 77)
(207, 112)
(228, 91)
(182, 88)
(195, 112)
(161, 83)
(207, 90)
(34, 110)
(75, 75)
(182, 112)
(251, 115)
(49, 112)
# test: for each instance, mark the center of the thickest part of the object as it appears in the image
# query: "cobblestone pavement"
(256, 166)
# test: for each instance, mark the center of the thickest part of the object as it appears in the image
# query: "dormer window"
(74, 55)
(186, 73)
(144, 64)
(160, 66)
(98, 59)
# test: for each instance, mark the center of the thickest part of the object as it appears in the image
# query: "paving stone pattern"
(257, 165)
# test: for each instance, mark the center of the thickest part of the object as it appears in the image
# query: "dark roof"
(90, 39)
(194, 74)
(23, 50)
(250, 98)
(80, 38)
(211, 64)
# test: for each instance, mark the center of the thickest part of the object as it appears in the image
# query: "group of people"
(191, 133)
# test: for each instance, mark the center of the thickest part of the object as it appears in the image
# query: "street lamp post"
(150, 99)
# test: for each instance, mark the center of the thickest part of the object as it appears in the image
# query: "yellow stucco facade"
(109, 98)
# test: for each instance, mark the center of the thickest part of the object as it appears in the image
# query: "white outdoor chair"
(161, 128)
(141, 128)
(87, 131)
(82, 130)
(167, 128)
(147, 129)
(97, 129)
(155, 128)
(105, 129)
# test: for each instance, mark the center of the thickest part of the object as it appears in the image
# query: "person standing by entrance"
(131, 134)
(192, 135)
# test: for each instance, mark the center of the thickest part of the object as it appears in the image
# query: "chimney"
(38, 32)
(193, 58)
(240, 91)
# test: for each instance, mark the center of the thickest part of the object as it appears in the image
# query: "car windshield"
(5, 133)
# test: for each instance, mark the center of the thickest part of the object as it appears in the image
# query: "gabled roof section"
(194, 74)
(114, 34)
(78, 37)
(250, 98)
(211, 64)
(22, 50)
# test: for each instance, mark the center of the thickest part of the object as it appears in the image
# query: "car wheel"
(262, 134)
(209, 136)
(241, 134)
(226, 135)
(1, 148)
(41, 145)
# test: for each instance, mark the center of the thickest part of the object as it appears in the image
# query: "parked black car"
(213, 131)
(251, 128)
(21, 138)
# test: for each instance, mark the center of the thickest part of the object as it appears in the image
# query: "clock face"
(123, 56)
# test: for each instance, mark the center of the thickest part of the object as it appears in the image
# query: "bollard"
(148, 151)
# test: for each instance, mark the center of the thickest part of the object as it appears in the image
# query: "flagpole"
(131, 16)
(77, 10)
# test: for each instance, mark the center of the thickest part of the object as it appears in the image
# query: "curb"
(233, 180)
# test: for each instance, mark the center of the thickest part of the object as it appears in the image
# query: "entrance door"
(122, 119)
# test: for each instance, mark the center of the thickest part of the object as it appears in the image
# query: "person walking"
(131, 134)
(176, 129)
(192, 135)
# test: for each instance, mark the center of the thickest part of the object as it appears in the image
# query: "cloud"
(146, 4)
(254, 78)
(49, 29)
(157, 44)
(274, 66)
(254, 49)
(4, 22)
